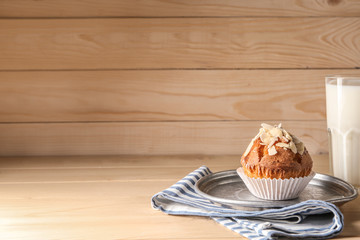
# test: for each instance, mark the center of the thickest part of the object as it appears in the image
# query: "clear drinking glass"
(343, 121)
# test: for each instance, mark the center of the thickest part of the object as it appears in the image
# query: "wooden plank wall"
(168, 77)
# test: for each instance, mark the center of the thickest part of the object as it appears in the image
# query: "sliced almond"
(300, 148)
(276, 132)
(248, 148)
(265, 138)
(272, 150)
(287, 135)
(266, 126)
(295, 139)
(293, 147)
(284, 145)
(272, 141)
(250, 145)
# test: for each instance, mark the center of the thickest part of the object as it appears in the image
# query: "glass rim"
(356, 76)
(343, 79)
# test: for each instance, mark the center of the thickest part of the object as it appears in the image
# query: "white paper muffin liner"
(275, 189)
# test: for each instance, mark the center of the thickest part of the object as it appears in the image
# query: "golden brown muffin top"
(275, 153)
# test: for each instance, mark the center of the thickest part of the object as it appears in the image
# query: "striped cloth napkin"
(312, 219)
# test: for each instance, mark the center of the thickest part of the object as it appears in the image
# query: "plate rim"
(283, 203)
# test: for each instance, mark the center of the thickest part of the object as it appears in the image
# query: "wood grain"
(163, 95)
(180, 43)
(94, 174)
(223, 137)
(117, 161)
(96, 207)
(124, 172)
(125, 162)
(177, 8)
(93, 218)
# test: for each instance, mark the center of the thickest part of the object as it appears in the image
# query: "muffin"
(276, 164)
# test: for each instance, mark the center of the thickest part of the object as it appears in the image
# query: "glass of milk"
(343, 121)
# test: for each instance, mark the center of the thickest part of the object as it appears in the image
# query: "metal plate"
(227, 188)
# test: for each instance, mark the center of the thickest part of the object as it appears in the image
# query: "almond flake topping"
(281, 144)
(272, 136)
(272, 150)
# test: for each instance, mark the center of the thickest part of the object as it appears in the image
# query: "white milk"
(343, 121)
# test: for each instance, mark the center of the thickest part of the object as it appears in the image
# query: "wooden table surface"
(108, 197)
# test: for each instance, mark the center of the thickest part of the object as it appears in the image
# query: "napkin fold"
(312, 219)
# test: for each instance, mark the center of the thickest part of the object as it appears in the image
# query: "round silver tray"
(227, 188)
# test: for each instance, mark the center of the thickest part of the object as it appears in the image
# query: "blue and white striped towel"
(312, 219)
